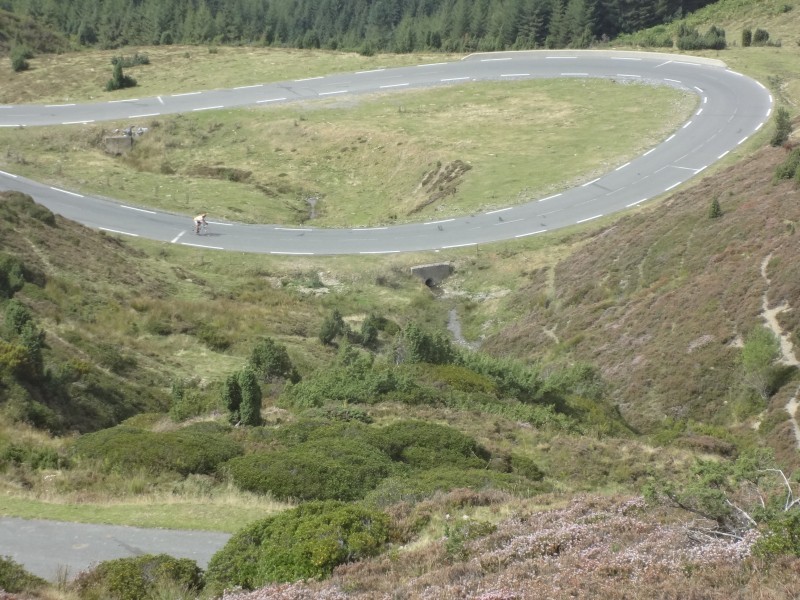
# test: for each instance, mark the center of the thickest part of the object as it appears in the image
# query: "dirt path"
(788, 356)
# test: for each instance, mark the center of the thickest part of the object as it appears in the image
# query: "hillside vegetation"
(623, 421)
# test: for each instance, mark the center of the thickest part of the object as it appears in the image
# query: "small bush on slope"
(138, 578)
(185, 451)
(324, 469)
(15, 579)
(302, 543)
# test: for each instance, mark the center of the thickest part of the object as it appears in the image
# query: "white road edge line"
(144, 115)
(55, 189)
(78, 122)
(515, 75)
(588, 183)
(149, 212)
(459, 245)
(218, 223)
(492, 212)
(393, 85)
(202, 246)
(619, 168)
(368, 228)
(177, 237)
(269, 100)
(9, 174)
(495, 59)
(437, 222)
(248, 87)
(332, 93)
(309, 79)
(207, 108)
(453, 79)
(723, 154)
(588, 219)
(185, 94)
(57, 105)
(635, 203)
(292, 229)
(370, 71)
(119, 232)
(522, 235)
(550, 197)
(293, 253)
(379, 252)
(119, 101)
(673, 186)
(432, 64)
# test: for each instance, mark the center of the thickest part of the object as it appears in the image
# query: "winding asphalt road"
(731, 108)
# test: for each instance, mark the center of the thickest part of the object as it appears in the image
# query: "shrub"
(305, 542)
(270, 361)
(760, 37)
(250, 406)
(332, 327)
(422, 346)
(347, 384)
(119, 80)
(424, 445)
(16, 203)
(782, 536)
(12, 276)
(789, 167)
(19, 58)
(232, 397)
(783, 129)
(16, 317)
(320, 469)
(714, 210)
(747, 37)
(15, 579)
(131, 61)
(184, 451)
(138, 578)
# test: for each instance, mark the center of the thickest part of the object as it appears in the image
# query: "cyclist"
(200, 222)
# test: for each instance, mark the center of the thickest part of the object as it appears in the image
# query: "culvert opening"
(430, 282)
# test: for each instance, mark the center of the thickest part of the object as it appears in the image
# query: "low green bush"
(319, 469)
(15, 579)
(781, 536)
(423, 445)
(184, 451)
(302, 543)
(138, 578)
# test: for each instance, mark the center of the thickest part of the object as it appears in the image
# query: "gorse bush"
(15, 579)
(425, 445)
(138, 578)
(319, 469)
(186, 451)
(303, 543)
